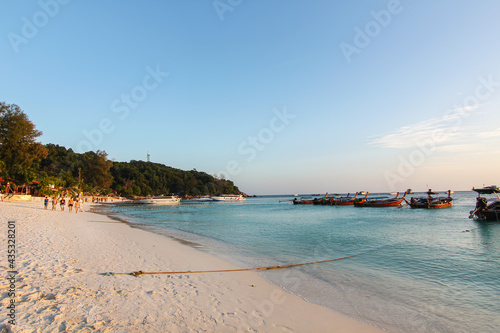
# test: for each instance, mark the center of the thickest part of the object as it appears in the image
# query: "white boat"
(229, 197)
(161, 200)
(202, 199)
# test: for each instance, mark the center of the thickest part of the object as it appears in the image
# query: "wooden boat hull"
(333, 201)
(486, 211)
(343, 203)
(489, 215)
(431, 205)
(303, 202)
(359, 203)
(381, 203)
(319, 201)
(431, 202)
(392, 202)
(434, 206)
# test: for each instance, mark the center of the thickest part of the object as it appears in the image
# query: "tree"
(95, 170)
(59, 161)
(20, 154)
(46, 185)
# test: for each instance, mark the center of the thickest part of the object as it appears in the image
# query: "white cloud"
(459, 148)
(439, 131)
(436, 129)
(490, 134)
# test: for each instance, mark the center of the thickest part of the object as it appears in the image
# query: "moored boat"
(322, 200)
(229, 197)
(391, 202)
(160, 200)
(201, 199)
(303, 201)
(335, 200)
(344, 201)
(432, 201)
(486, 211)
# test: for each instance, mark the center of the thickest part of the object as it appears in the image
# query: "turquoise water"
(419, 270)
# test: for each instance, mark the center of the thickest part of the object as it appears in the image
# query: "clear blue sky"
(279, 96)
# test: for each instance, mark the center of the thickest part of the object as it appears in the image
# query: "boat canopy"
(487, 190)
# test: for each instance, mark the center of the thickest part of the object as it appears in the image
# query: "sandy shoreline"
(59, 287)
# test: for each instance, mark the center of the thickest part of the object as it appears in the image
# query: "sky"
(280, 97)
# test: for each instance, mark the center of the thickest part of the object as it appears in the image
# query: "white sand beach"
(59, 287)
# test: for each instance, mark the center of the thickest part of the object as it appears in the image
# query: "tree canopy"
(147, 178)
(19, 151)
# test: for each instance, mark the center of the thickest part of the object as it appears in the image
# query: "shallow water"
(419, 270)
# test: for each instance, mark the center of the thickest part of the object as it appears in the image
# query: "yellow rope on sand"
(138, 273)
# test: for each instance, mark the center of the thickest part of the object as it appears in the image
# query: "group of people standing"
(72, 202)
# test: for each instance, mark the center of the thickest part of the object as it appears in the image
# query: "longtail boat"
(337, 200)
(431, 202)
(486, 211)
(321, 201)
(381, 202)
(303, 201)
(344, 201)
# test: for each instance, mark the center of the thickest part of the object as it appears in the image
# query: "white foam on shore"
(59, 286)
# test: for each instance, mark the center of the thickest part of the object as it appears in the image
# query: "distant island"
(31, 167)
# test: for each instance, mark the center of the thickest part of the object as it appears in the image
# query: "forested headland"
(53, 168)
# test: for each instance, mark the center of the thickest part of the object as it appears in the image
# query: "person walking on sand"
(62, 203)
(80, 201)
(46, 203)
(70, 204)
(77, 205)
(54, 203)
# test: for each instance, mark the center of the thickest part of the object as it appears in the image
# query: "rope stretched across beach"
(265, 268)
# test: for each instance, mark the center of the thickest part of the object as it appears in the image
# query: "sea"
(415, 270)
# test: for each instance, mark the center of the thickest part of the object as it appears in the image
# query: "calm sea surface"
(419, 270)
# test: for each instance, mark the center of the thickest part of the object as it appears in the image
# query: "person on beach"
(70, 204)
(77, 205)
(46, 203)
(62, 203)
(54, 203)
(80, 201)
